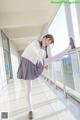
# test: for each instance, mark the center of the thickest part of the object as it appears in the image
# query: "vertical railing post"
(78, 58)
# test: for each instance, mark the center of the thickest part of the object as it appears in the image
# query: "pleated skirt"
(29, 71)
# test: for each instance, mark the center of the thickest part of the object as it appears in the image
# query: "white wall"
(14, 59)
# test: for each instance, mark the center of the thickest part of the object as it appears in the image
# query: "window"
(7, 58)
(75, 24)
(58, 29)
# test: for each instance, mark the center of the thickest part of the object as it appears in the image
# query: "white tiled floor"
(46, 105)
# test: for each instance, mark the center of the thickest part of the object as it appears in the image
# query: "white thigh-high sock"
(29, 97)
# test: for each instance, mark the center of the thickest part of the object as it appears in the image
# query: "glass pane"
(7, 65)
(76, 73)
(58, 29)
(58, 71)
(7, 57)
(5, 41)
(68, 73)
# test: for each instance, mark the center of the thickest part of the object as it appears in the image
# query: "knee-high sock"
(29, 97)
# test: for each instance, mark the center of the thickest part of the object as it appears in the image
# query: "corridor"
(48, 103)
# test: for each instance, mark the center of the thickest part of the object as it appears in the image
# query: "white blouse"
(34, 52)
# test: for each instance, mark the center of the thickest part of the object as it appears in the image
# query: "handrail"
(72, 51)
(75, 50)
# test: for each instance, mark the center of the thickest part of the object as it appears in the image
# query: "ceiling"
(25, 20)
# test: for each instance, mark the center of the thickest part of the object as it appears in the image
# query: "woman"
(32, 64)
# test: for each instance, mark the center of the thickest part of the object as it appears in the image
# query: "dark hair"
(49, 36)
(52, 41)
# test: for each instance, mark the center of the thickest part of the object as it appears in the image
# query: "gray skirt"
(29, 71)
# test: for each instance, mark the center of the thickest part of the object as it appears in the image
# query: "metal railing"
(65, 73)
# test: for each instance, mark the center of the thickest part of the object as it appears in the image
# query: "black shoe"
(30, 115)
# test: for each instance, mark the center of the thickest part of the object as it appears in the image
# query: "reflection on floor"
(47, 103)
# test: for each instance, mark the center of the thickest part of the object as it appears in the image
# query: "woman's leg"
(29, 96)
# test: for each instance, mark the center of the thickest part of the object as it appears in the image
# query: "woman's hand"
(46, 67)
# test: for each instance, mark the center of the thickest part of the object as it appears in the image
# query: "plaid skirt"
(29, 71)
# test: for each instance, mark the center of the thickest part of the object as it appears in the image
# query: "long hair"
(44, 48)
(50, 38)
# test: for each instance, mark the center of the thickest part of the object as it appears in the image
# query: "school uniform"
(32, 61)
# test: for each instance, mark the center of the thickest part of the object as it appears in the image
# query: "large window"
(7, 58)
(58, 29)
(75, 24)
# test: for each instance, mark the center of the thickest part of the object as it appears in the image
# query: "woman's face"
(46, 42)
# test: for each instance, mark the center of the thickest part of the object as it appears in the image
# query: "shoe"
(30, 115)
